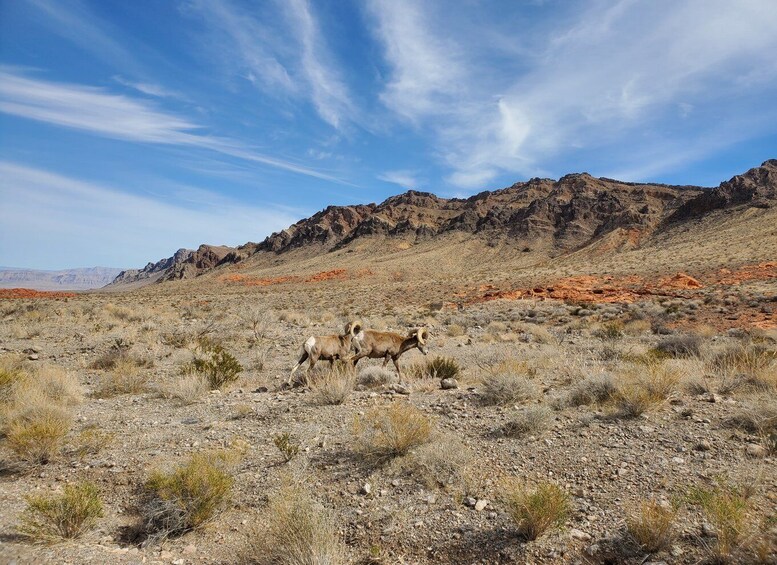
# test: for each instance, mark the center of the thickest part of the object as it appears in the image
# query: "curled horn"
(423, 335)
(353, 328)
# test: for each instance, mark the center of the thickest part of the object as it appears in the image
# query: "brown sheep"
(327, 348)
(388, 345)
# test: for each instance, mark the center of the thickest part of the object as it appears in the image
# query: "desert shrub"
(440, 463)
(594, 389)
(49, 518)
(12, 373)
(36, 432)
(680, 345)
(125, 378)
(122, 313)
(757, 418)
(375, 376)
(91, 440)
(456, 330)
(390, 431)
(185, 388)
(609, 331)
(296, 531)
(506, 388)
(528, 420)
(652, 525)
(535, 510)
(335, 386)
(215, 363)
(189, 496)
(727, 509)
(746, 365)
(442, 368)
(645, 390)
(287, 444)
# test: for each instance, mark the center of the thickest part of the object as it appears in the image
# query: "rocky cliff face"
(757, 187)
(186, 263)
(559, 216)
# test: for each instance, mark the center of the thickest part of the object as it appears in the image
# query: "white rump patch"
(309, 344)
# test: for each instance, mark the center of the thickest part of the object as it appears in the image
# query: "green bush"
(442, 368)
(536, 510)
(69, 515)
(189, 496)
(216, 364)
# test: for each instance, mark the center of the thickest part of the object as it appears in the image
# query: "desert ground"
(627, 417)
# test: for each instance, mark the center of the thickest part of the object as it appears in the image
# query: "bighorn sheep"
(327, 348)
(388, 345)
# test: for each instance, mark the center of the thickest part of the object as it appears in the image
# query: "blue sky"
(131, 129)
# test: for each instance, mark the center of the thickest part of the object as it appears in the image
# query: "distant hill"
(67, 279)
(549, 218)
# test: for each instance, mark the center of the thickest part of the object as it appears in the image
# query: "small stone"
(678, 460)
(707, 530)
(33, 357)
(366, 488)
(190, 549)
(166, 555)
(261, 389)
(448, 384)
(400, 389)
(179, 561)
(592, 549)
(712, 397)
(755, 450)
(579, 534)
(481, 504)
(703, 445)
(469, 501)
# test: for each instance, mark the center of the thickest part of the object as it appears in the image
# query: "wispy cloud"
(148, 88)
(328, 92)
(77, 23)
(99, 112)
(427, 68)
(404, 178)
(93, 224)
(617, 80)
(288, 59)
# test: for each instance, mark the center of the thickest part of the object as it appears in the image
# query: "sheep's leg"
(396, 364)
(302, 359)
(355, 358)
(386, 359)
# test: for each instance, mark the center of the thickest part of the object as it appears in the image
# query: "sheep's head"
(352, 328)
(422, 334)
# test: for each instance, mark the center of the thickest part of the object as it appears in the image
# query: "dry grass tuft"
(502, 389)
(442, 368)
(535, 510)
(757, 418)
(727, 509)
(188, 496)
(528, 420)
(216, 364)
(645, 390)
(186, 388)
(37, 432)
(443, 462)
(126, 377)
(652, 526)
(334, 387)
(592, 390)
(680, 346)
(66, 516)
(372, 376)
(749, 366)
(391, 431)
(296, 530)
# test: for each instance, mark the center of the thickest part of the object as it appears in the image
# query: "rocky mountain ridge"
(65, 279)
(554, 216)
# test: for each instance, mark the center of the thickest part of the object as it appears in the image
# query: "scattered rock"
(33, 357)
(366, 488)
(399, 389)
(755, 450)
(579, 535)
(703, 445)
(481, 504)
(447, 384)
